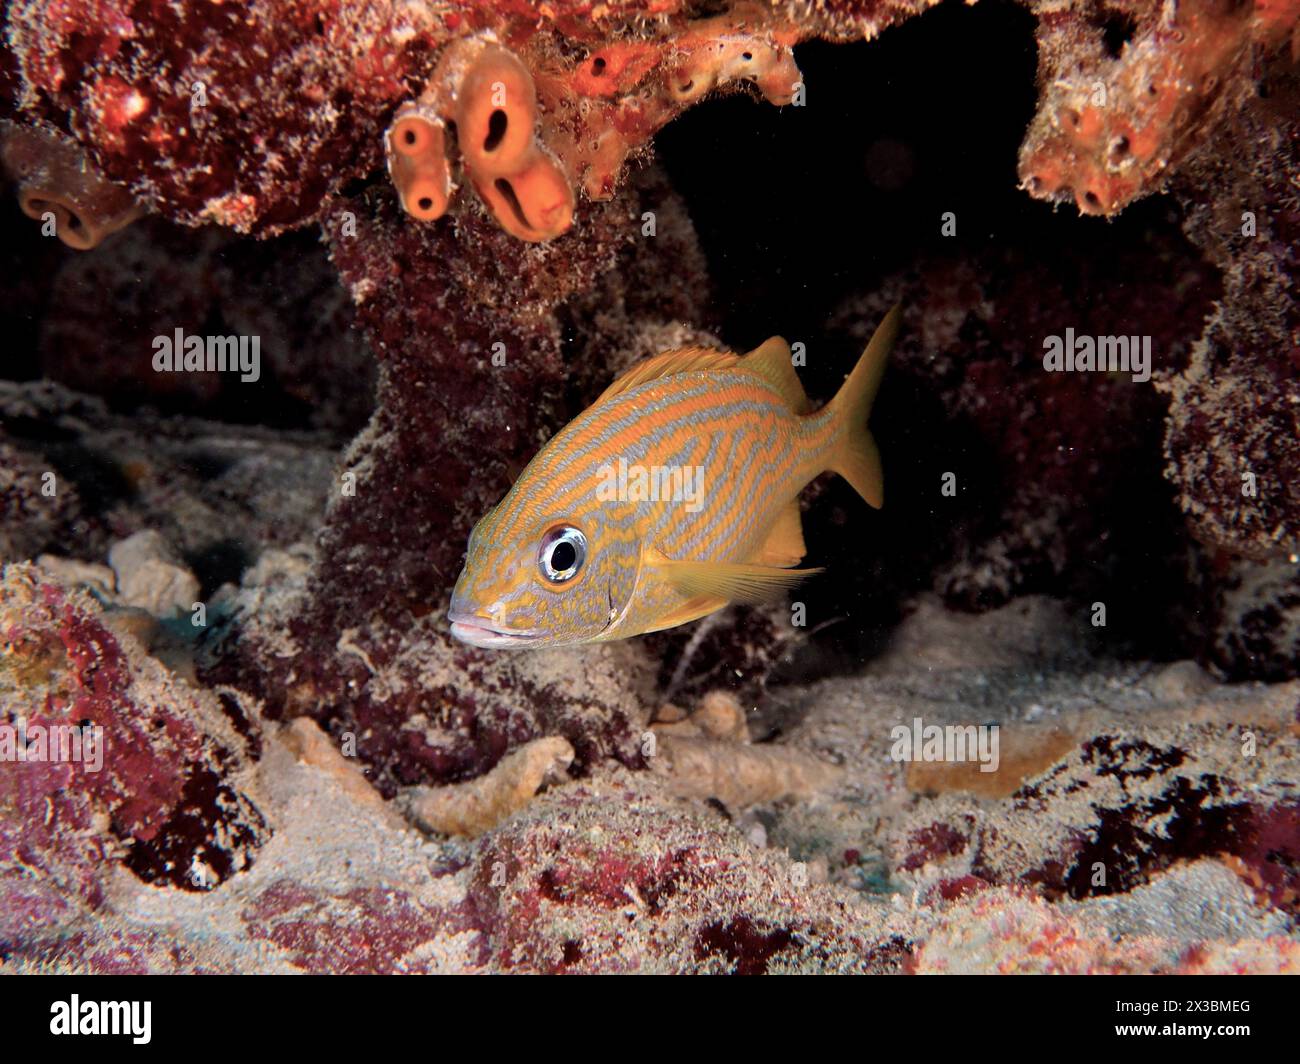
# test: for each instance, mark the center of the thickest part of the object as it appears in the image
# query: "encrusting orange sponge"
(710, 64)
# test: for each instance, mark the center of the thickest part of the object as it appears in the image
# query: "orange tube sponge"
(56, 182)
(417, 163)
(495, 115)
(534, 204)
(616, 68)
(425, 191)
(414, 135)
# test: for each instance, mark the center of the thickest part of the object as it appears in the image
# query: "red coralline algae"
(1266, 853)
(561, 888)
(747, 948)
(111, 951)
(1232, 440)
(161, 799)
(1272, 956)
(932, 843)
(1162, 811)
(1009, 933)
(957, 888)
(245, 114)
(364, 931)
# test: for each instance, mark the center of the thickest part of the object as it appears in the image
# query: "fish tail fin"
(856, 457)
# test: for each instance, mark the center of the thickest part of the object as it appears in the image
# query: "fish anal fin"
(683, 360)
(784, 546)
(771, 361)
(731, 581)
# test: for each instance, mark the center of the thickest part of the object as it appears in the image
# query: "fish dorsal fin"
(784, 546)
(683, 360)
(771, 361)
(727, 580)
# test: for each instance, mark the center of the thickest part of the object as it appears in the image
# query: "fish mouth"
(478, 631)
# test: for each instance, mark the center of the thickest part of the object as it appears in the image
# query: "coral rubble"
(474, 807)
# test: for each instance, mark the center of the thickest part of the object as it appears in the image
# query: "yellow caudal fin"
(857, 458)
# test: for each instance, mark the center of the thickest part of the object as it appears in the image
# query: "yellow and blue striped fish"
(674, 494)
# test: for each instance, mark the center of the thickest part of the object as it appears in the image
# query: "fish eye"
(563, 550)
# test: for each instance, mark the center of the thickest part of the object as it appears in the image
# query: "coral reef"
(313, 85)
(220, 495)
(708, 755)
(1232, 439)
(544, 99)
(1252, 624)
(549, 99)
(242, 114)
(397, 683)
(1149, 766)
(313, 371)
(303, 773)
(1028, 488)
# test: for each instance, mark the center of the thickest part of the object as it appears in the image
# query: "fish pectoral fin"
(784, 547)
(691, 610)
(733, 582)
